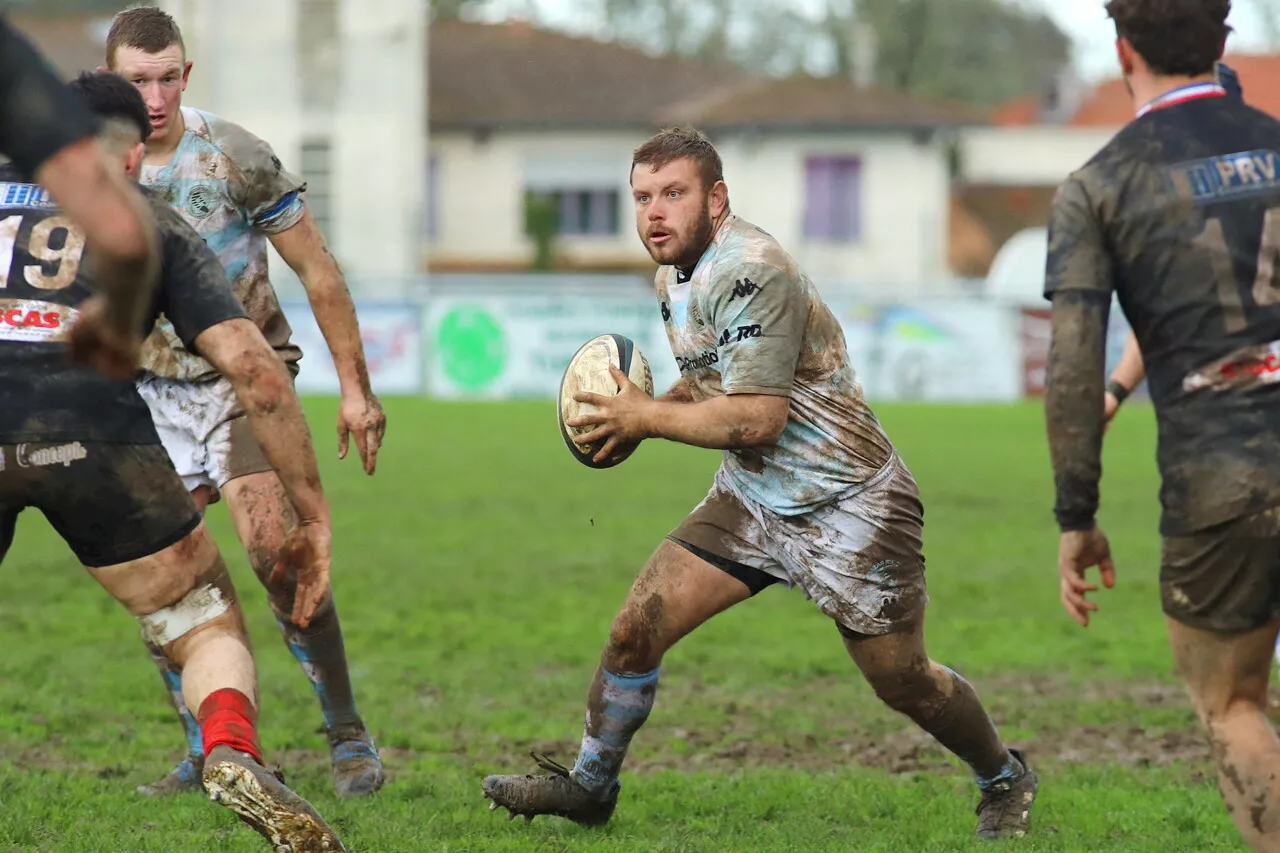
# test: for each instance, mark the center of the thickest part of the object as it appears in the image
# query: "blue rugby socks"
(617, 707)
(320, 650)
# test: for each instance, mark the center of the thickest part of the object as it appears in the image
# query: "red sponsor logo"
(21, 319)
(1270, 364)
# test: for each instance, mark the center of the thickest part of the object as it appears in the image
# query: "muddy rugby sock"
(618, 706)
(172, 675)
(320, 650)
(228, 718)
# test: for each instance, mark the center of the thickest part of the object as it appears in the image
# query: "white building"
(853, 181)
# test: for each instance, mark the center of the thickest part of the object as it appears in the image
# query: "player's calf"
(262, 514)
(945, 705)
(676, 592)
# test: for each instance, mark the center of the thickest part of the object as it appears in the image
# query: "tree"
(442, 10)
(978, 51)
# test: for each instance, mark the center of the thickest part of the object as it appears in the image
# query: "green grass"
(477, 574)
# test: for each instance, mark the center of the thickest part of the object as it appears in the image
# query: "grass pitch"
(477, 574)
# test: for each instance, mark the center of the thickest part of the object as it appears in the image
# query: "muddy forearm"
(280, 428)
(721, 423)
(678, 393)
(116, 223)
(1074, 404)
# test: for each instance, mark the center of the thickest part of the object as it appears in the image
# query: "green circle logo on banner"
(471, 346)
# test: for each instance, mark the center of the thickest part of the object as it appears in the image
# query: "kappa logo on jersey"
(1229, 176)
(743, 288)
(701, 361)
(30, 320)
(26, 195)
(742, 333)
(62, 454)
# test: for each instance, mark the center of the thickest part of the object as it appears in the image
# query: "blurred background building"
(468, 160)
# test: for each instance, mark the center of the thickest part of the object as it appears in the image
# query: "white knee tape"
(203, 604)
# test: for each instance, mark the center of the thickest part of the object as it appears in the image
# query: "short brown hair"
(145, 28)
(676, 143)
(1177, 38)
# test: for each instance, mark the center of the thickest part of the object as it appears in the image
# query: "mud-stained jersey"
(747, 320)
(230, 186)
(43, 280)
(1179, 215)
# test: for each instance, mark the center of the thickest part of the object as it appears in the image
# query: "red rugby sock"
(228, 718)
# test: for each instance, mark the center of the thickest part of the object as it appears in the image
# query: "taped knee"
(198, 607)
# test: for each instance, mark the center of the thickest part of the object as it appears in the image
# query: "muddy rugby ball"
(588, 371)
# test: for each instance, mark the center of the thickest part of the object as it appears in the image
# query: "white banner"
(508, 346)
(392, 337)
(943, 350)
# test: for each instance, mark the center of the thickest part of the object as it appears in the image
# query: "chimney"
(862, 55)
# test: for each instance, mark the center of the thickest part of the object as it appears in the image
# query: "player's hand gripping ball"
(588, 371)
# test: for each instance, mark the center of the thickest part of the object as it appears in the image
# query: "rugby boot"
(1005, 808)
(183, 779)
(235, 780)
(357, 768)
(557, 794)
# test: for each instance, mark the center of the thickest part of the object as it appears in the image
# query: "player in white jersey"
(230, 186)
(810, 493)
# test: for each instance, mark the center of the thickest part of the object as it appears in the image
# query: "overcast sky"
(1083, 20)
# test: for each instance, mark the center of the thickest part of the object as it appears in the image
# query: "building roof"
(814, 104)
(514, 75)
(1109, 104)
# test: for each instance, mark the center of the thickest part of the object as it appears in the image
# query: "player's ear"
(1125, 54)
(186, 73)
(133, 160)
(719, 198)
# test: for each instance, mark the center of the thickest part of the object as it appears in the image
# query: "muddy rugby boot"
(183, 779)
(357, 768)
(557, 794)
(235, 780)
(1005, 808)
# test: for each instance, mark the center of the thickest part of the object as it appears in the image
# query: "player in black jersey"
(82, 449)
(1179, 217)
(49, 137)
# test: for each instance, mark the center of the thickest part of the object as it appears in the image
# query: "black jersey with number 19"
(1179, 216)
(43, 279)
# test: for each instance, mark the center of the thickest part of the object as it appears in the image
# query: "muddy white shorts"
(859, 558)
(204, 429)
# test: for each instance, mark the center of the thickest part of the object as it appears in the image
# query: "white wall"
(905, 198)
(1039, 155)
(904, 205)
(251, 74)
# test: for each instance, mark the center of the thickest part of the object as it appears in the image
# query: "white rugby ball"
(588, 371)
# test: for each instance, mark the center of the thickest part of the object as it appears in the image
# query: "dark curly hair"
(1177, 38)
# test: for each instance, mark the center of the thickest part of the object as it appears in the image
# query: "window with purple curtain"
(832, 198)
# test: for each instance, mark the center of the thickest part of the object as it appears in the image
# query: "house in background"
(854, 181)
(1011, 169)
(515, 120)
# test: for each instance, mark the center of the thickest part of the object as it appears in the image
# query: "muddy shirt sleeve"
(1078, 279)
(270, 195)
(39, 115)
(759, 313)
(195, 293)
